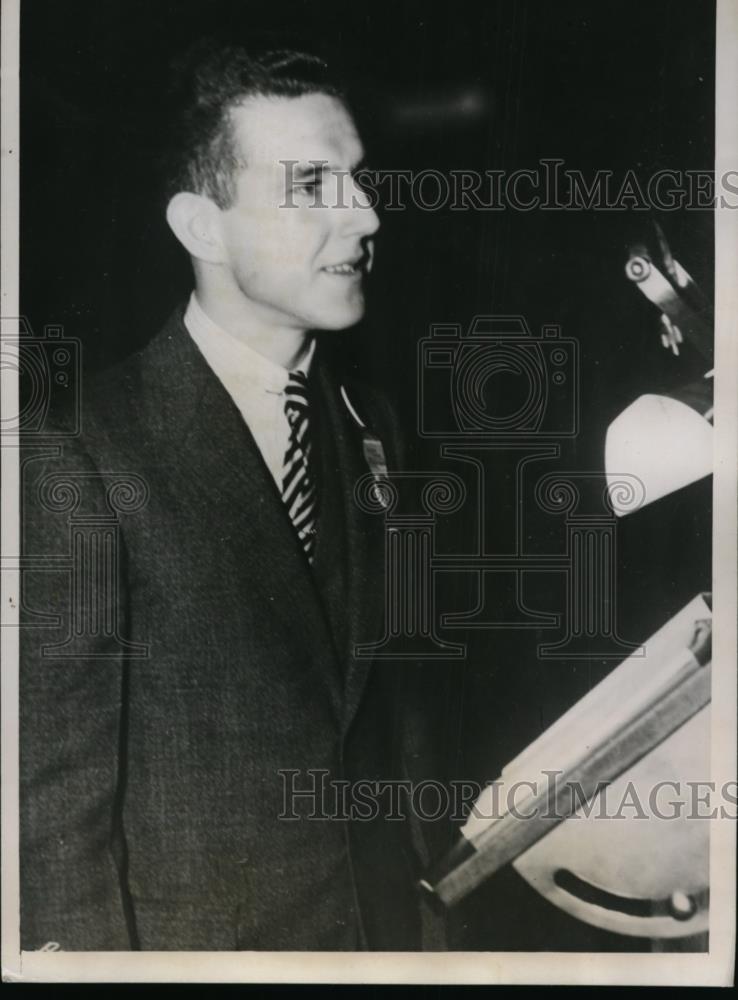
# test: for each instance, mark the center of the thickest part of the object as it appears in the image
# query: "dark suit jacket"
(150, 786)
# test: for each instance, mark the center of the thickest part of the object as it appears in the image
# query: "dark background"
(614, 85)
(487, 85)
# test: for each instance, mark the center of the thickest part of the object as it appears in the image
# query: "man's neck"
(283, 345)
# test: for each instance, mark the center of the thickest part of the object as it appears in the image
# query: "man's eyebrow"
(311, 169)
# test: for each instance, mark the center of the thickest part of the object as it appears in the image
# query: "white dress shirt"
(255, 384)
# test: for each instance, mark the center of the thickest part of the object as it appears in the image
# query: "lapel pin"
(373, 448)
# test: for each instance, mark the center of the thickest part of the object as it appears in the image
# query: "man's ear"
(194, 220)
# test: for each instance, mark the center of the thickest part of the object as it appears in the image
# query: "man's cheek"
(288, 244)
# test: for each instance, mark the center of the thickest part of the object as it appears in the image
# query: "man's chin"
(342, 319)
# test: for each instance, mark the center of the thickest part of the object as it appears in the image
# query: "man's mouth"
(344, 269)
(351, 267)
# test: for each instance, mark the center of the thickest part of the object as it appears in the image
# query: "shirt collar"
(262, 371)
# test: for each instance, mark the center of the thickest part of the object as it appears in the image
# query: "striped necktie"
(298, 485)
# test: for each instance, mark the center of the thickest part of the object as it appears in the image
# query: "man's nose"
(361, 219)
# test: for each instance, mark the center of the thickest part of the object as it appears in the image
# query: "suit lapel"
(225, 463)
(364, 541)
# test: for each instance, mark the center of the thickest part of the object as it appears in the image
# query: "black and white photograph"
(369, 491)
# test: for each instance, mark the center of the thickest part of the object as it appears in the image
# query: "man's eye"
(306, 187)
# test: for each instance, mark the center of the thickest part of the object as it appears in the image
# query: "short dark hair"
(207, 82)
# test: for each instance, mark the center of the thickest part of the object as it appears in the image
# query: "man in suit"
(213, 652)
